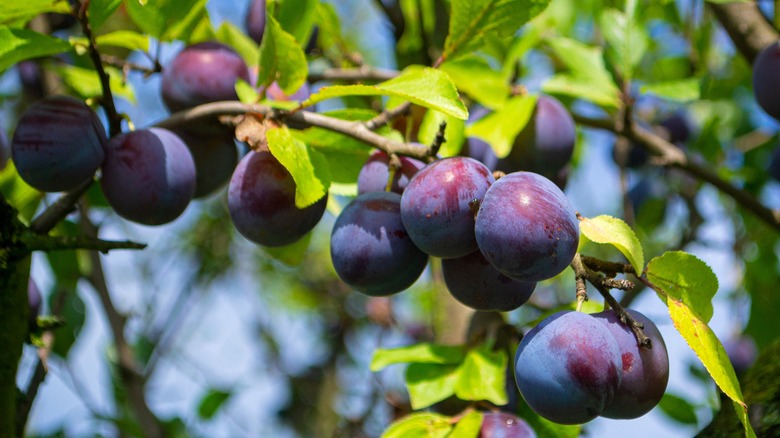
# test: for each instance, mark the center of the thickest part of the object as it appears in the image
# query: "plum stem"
(393, 166)
(438, 140)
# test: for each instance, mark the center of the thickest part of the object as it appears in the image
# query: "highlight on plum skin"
(202, 73)
(645, 370)
(526, 227)
(476, 283)
(58, 144)
(370, 248)
(504, 425)
(148, 176)
(261, 202)
(568, 368)
(437, 207)
(375, 173)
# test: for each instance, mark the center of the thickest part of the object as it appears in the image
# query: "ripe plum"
(215, 154)
(504, 425)
(765, 79)
(255, 20)
(374, 174)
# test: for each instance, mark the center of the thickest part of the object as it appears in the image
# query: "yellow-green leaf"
(613, 231)
(500, 128)
(307, 166)
(684, 277)
(419, 425)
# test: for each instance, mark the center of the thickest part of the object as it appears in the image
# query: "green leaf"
(16, 11)
(587, 78)
(419, 425)
(127, 39)
(681, 90)
(292, 254)
(500, 128)
(100, 10)
(543, 427)
(474, 76)
(627, 40)
(613, 231)
(17, 45)
(234, 37)
(678, 409)
(711, 353)
(684, 277)
(468, 426)
(246, 93)
(18, 193)
(307, 166)
(168, 20)
(424, 86)
(281, 59)
(86, 83)
(453, 133)
(418, 353)
(211, 402)
(74, 314)
(430, 383)
(482, 376)
(296, 17)
(471, 21)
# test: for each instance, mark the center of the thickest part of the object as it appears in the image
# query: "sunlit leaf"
(17, 45)
(500, 128)
(307, 166)
(613, 231)
(684, 277)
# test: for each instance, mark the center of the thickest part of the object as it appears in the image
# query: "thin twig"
(361, 74)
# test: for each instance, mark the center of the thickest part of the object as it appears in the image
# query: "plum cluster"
(573, 367)
(496, 238)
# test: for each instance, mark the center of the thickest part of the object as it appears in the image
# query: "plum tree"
(255, 20)
(645, 370)
(370, 248)
(261, 201)
(148, 176)
(526, 227)
(568, 368)
(215, 154)
(504, 425)
(374, 175)
(59, 143)
(475, 282)
(437, 205)
(765, 80)
(202, 73)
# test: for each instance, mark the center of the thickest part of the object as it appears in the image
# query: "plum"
(765, 79)
(774, 165)
(676, 128)
(255, 20)
(148, 176)
(476, 283)
(742, 352)
(546, 143)
(645, 370)
(568, 368)
(202, 73)
(370, 248)
(526, 227)
(261, 201)
(374, 174)
(215, 154)
(58, 144)
(504, 425)
(437, 205)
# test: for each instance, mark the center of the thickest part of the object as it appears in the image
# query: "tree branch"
(37, 242)
(361, 74)
(746, 26)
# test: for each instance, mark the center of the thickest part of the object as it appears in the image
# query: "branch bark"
(746, 26)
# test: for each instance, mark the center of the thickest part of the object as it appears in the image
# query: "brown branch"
(126, 66)
(361, 74)
(388, 115)
(746, 26)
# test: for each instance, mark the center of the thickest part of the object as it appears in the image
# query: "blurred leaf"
(211, 402)
(681, 90)
(474, 76)
(468, 426)
(424, 86)
(74, 314)
(281, 59)
(18, 193)
(472, 20)
(418, 353)
(453, 133)
(684, 277)
(627, 40)
(168, 20)
(246, 93)
(17, 45)
(482, 376)
(613, 231)
(419, 425)
(100, 10)
(500, 128)
(293, 254)
(234, 37)
(127, 39)
(678, 409)
(86, 83)
(429, 383)
(587, 79)
(23, 11)
(710, 351)
(543, 427)
(296, 17)
(307, 166)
